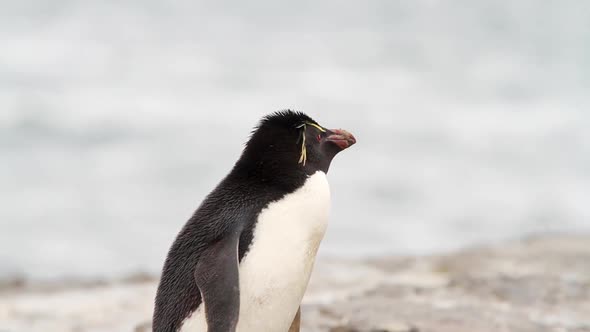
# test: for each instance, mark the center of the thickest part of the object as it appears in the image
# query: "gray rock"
(534, 285)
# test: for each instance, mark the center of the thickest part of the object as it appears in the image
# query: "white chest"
(275, 271)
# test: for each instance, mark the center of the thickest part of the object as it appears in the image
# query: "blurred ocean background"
(117, 118)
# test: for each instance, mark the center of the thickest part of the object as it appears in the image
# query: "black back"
(269, 168)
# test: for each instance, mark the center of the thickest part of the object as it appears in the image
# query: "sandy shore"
(533, 285)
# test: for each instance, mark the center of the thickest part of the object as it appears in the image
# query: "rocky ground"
(533, 285)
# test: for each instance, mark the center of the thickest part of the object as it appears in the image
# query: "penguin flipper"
(217, 277)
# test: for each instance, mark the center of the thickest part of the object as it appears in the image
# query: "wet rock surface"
(539, 284)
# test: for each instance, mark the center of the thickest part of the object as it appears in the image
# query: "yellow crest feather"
(303, 157)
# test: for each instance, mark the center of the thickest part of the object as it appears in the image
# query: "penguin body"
(243, 260)
(275, 271)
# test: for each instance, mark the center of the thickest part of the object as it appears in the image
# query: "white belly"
(275, 271)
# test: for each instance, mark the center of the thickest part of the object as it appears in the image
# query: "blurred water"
(116, 118)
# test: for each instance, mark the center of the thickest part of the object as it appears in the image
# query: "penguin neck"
(269, 171)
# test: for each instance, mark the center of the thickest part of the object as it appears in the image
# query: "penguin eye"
(319, 137)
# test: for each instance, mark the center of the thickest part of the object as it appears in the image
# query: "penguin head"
(292, 141)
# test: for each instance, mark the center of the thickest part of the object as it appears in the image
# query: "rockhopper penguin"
(243, 260)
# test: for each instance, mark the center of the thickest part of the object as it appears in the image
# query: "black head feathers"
(285, 119)
(289, 143)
